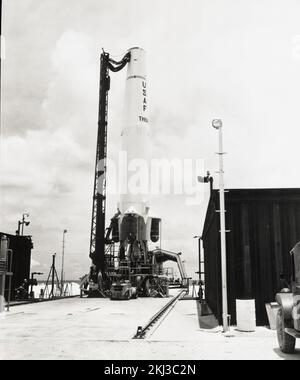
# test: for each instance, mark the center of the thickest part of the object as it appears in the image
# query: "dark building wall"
(265, 226)
(21, 247)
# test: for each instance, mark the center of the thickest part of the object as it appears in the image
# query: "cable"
(117, 66)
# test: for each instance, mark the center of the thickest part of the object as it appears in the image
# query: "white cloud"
(35, 263)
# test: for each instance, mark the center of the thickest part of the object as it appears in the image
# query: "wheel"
(287, 343)
(135, 296)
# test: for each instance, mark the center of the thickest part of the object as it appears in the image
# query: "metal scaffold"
(98, 241)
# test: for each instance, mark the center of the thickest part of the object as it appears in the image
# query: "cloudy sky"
(234, 59)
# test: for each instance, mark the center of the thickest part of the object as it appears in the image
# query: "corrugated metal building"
(21, 247)
(264, 226)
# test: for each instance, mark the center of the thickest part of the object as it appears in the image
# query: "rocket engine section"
(135, 235)
(133, 238)
(133, 228)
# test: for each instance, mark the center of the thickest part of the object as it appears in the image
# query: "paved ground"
(200, 338)
(102, 329)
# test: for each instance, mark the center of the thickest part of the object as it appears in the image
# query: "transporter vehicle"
(288, 317)
(122, 290)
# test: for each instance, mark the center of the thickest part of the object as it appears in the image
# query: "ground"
(103, 329)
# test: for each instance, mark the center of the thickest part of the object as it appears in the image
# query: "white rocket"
(135, 226)
(135, 131)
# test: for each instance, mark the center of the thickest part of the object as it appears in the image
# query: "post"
(63, 263)
(10, 264)
(217, 124)
(53, 276)
(223, 233)
(199, 253)
(23, 221)
(31, 287)
(3, 270)
(18, 232)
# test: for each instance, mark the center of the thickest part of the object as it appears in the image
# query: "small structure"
(264, 225)
(160, 256)
(21, 247)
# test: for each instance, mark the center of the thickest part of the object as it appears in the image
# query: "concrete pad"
(183, 329)
(102, 329)
(28, 328)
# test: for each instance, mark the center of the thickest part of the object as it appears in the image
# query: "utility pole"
(3, 270)
(53, 275)
(62, 279)
(217, 124)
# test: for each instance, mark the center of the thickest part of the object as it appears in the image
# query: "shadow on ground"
(206, 318)
(295, 356)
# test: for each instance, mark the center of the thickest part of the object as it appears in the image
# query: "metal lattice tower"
(97, 242)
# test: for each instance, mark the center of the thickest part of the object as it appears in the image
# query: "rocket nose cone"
(137, 64)
(135, 48)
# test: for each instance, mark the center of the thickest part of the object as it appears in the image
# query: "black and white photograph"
(150, 183)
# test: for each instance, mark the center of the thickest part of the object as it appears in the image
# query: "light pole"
(63, 262)
(217, 124)
(20, 231)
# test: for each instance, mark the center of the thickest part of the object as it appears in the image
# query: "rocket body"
(135, 135)
(136, 227)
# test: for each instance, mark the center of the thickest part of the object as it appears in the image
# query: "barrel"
(246, 315)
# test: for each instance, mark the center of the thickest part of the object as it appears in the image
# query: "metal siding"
(246, 252)
(233, 267)
(277, 243)
(265, 226)
(21, 247)
(212, 263)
